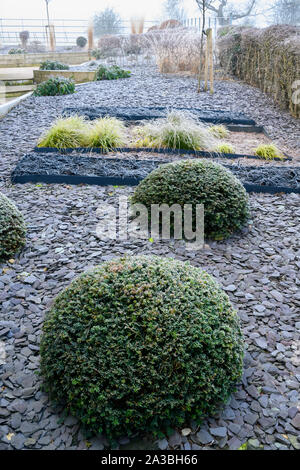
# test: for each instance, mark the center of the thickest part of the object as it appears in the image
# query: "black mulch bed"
(73, 169)
(195, 153)
(144, 113)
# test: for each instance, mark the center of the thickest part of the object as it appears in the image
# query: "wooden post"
(211, 59)
(206, 65)
(90, 36)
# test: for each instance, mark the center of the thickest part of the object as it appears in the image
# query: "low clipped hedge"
(111, 73)
(55, 86)
(53, 65)
(12, 229)
(141, 344)
(225, 200)
(267, 58)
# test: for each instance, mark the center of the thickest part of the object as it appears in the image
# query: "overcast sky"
(75, 9)
(71, 9)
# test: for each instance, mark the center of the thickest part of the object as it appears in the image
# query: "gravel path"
(259, 269)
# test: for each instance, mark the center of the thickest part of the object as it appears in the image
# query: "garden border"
(122, 179)
(212, 116)
(195, 153)
(126, 181)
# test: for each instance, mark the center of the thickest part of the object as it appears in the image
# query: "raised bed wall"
(30, 60)
(78, 76)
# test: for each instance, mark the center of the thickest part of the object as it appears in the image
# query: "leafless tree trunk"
(202, 6)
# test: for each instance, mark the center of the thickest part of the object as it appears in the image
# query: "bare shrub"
(176, 50)
(36, 46)
(170, 24)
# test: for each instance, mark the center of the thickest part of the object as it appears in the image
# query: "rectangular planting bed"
(67, 168)
(148, 113)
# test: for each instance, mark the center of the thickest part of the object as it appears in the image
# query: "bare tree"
(287, 12)
(203, 6)
(225, 11)
(174, 10)
(107, 21)
(47, 9)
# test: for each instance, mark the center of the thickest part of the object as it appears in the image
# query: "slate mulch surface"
(258, 268)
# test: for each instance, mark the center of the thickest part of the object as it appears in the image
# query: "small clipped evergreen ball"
(225, 200)
(12, 229)
(140, 344)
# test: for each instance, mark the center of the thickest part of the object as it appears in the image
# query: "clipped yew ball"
(225, 200)
(141, 344)
(12, 229)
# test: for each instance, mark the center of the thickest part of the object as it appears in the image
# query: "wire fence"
(67, 30)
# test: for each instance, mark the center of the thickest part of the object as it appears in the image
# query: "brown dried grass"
(176, 50)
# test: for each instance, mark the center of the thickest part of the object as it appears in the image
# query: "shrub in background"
(267, 58)
(110, 45)
(179, 130)
(71, 132)
(96, 53)
(141, 344)
(24, 36)
(16, 51)
(81, 41)
(53, 65)
(170, 24)
(55, 86)
(111, 73)
(226, 206)
(176, 50)
(12, 229)
(36, 46)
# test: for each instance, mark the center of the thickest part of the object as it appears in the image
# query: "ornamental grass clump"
(225, 148)
(106, 133)
(55, 86)
(141, 344)
(12, 229)
(226, 205)
(179, 130)
(268, 152)
(71, 132)
(219, 131)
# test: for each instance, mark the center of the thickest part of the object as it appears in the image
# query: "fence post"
(206, 64)
(211, 60)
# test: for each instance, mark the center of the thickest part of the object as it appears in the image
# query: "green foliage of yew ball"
(12, 228)
(225, 200)
(140, 344)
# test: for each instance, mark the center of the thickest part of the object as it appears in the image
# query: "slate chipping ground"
(258, 268)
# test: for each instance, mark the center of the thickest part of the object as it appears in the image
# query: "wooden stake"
(206, 63)
(211, 59)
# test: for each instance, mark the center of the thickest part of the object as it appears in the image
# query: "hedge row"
(268, 58)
